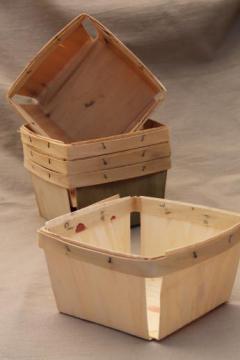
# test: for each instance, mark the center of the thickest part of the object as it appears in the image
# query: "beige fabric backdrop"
(193, 47)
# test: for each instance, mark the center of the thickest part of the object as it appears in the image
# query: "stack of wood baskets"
(90, 131)
(183, 266)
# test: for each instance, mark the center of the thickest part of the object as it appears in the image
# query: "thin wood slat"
(170, 277)
(101, 162)
(98, 177)
(152, 133)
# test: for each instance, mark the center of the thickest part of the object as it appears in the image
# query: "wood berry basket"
(183, 265)
(91, 132)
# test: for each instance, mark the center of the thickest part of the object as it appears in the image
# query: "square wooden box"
(183, 265)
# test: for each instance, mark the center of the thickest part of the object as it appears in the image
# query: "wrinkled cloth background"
(193, 47)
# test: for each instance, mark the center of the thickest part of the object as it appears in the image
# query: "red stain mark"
(113, 217)
(154, 308)
(80, 227)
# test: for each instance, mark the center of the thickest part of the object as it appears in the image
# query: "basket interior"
(165, 225)
(86, 85)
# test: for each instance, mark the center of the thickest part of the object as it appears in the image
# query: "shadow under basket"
(182, 266)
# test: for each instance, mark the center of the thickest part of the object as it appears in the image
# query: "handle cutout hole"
(90, 28)
(24, 100)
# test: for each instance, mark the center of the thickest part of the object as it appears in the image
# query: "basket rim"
(173, 260)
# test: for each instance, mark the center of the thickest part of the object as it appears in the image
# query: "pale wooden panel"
(38, 121)
(120, 232)
(99, 100)
(202, 215)
(99, 177)
(52, 200)
(50, 60)
(190, 293)
(160, 233)
(153, 286)
(97, 294)
(62, 280)
(68, 225)
(153, 240)
(111, 298)
(199, 232)
(113, 234)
